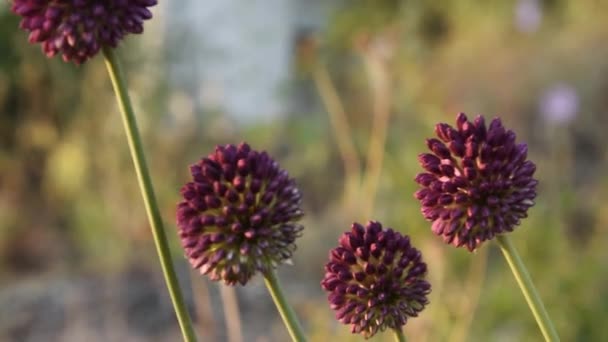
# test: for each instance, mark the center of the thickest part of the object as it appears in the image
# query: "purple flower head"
(375, 279)
(239, 214)
(477, 183)
(77, 29)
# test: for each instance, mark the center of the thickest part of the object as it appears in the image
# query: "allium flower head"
(239, 214)
(478, 182)
(375, 279)
(77, 29)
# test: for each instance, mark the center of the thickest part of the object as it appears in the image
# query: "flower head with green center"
(239, 214)
(375, 279)
(477, 183)
(77, 29)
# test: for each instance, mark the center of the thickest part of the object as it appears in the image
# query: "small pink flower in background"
(528, 16)
(559, 104)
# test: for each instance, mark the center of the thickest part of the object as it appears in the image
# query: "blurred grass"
(69, 202)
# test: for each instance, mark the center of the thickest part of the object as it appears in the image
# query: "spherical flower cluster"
(239, 214)
(478, 182)
(375, 279)
(77, 29)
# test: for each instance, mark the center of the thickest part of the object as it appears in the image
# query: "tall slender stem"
(232, 315)
(147, 191)
(527, 287)
(289, 317)
(379, 79)
(204, 326)
(473, 288)
(341, 129)
(399, 336)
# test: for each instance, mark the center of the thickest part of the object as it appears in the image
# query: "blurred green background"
(352, 90)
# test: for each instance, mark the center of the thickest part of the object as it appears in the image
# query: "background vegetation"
(366, 88)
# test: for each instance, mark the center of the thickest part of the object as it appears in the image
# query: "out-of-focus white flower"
(559, 104)
(528, 15)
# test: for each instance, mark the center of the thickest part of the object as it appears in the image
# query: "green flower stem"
(399, 337)
(289, 317)
(145, 184)
(527, 287)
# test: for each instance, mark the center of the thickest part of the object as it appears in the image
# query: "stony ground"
(130, 306)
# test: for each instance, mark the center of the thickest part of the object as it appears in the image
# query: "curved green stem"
(527, 287)
(399, 336)
(289, 317)
(147, 191)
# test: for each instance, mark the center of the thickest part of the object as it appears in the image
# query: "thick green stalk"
(399, 336)
(527, 287)
(289, 317)
(147, 191)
